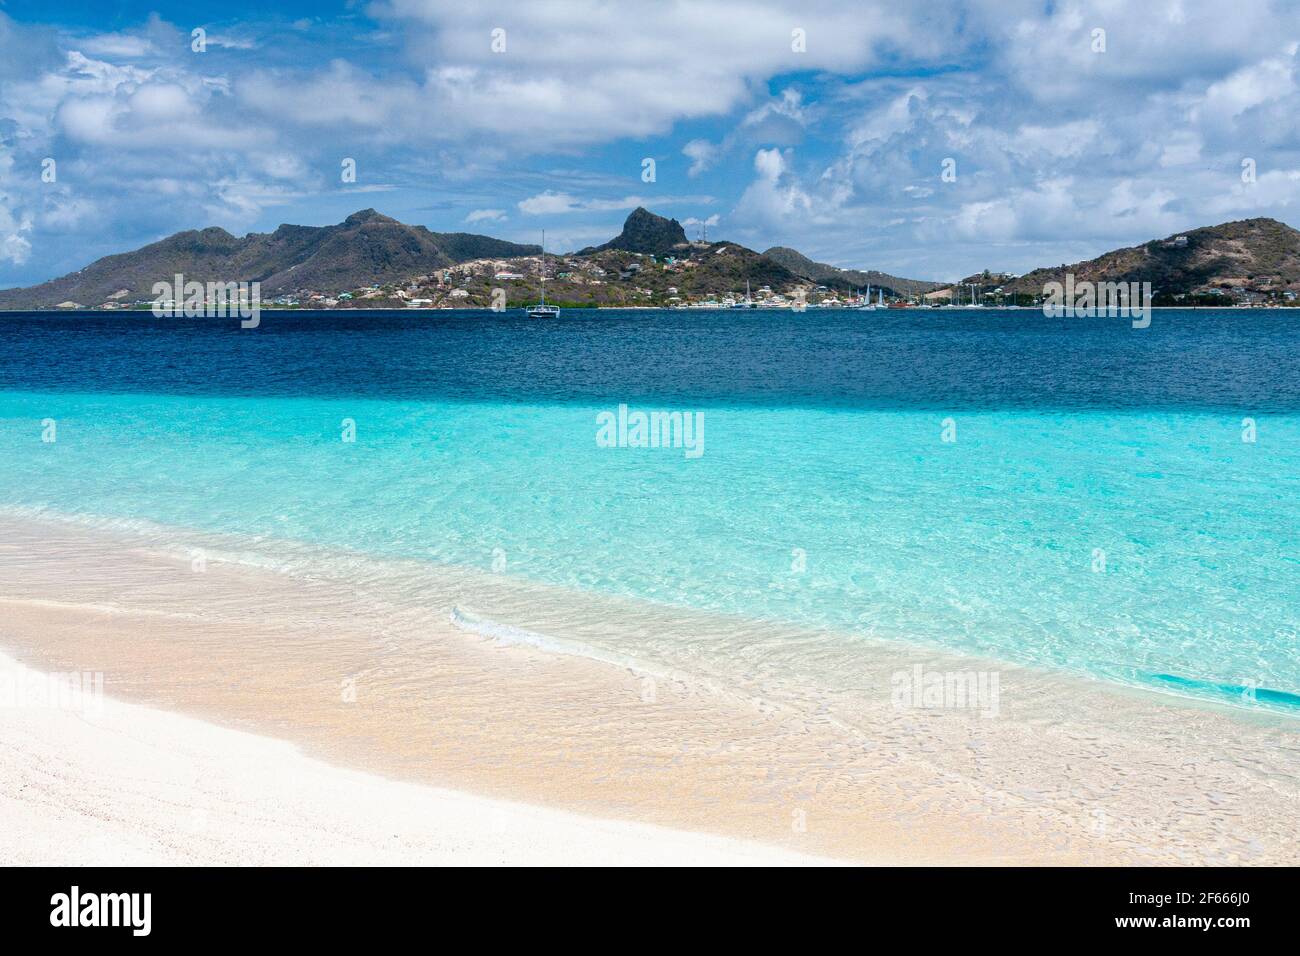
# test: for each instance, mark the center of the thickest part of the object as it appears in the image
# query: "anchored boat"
(541, 310)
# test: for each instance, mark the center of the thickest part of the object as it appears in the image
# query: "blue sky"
(823, 126)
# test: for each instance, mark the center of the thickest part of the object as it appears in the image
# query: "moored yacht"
(541, 310)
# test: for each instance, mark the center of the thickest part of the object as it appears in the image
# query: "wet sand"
(322, 670)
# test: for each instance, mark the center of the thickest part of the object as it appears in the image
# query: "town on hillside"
(372, 261)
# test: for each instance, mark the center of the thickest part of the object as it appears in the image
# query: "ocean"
(1072, 495)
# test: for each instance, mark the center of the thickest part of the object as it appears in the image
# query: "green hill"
(847, 279)
(1256, 254)
(365, 249)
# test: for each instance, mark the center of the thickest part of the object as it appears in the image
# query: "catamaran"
(541, 310)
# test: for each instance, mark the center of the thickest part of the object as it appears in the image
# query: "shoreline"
(1069, 773)
(671, 308)
(209, 795)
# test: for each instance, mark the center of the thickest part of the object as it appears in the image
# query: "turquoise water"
(1139, 542)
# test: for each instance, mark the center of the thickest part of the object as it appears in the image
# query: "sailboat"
(541, 310)
(746, 302)
(866, 302)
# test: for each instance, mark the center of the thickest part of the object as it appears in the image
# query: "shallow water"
(1095, 509)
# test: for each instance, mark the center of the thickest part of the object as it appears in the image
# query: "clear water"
(1098, 511)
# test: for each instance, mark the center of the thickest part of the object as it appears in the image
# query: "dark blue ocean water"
(1224, 359)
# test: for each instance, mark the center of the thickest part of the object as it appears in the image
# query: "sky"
(930, 140)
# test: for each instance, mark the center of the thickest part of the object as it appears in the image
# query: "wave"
(510, 634)
(742, 657)
(99, 608)
(1231, 691)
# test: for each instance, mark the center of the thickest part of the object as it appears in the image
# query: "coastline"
(1070, 772)
(210, 795)
(660, 308)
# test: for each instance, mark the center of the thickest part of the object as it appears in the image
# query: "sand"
(272, 714)
(114, 783)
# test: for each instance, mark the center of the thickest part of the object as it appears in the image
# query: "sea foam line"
(510, 634)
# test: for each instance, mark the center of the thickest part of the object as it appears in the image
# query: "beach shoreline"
(133, 785)
(340, 678)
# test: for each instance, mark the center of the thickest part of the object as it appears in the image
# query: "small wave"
(510, 634)
(1236, 692)
(100, 608)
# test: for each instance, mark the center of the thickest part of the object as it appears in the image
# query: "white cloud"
(231, 42)
(1060, 151)
(788, 104)
(1181, 149)
(551, 202)
(1276, 193)
(548, 203)
(778, 121)
(280, 165)
(245, 197)
(89, 120)
(161, 103)
(67, 213)
(1057, 140)
(341, 95)
(1161, 45)
(774, 198)
(702, 155)
(699, 227)
(15, 247)
(127, 125)
(125, 45)
(581, 72)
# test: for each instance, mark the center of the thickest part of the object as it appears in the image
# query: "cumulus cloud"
(125, 124)
(15, 246)
(775, 198)
(694, 225)
(779, 121)
(551, 202)
(1060, 150)
(702, 155)
(118, 45)
(692, 60)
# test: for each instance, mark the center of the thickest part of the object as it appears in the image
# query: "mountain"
(646, 233)
(846, 279)
(1257, 254)
(371, 260)
(365, 249)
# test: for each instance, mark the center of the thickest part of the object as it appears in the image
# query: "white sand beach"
(122, 784)
(259, 714)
